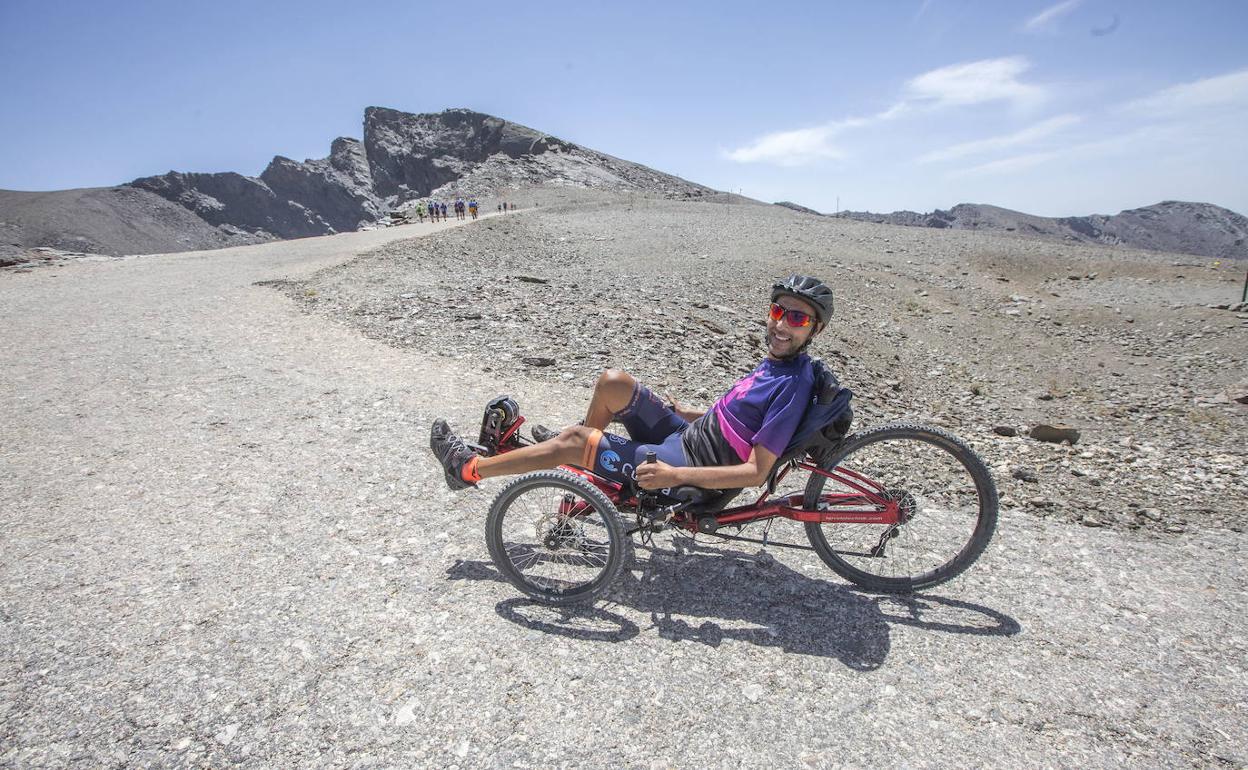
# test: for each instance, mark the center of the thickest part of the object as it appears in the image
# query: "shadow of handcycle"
(745, 597)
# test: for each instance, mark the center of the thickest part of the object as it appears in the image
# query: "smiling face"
(783, 340)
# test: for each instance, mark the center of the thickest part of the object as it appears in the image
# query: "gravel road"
(225, 543)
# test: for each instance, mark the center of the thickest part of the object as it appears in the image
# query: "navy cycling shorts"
(652, 427)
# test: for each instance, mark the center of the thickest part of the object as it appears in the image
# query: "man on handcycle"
(731, 446)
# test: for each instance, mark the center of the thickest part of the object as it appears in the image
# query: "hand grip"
(651, 457)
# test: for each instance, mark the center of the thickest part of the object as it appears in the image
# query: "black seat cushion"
(702, 500)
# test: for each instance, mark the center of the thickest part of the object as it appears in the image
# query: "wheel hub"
(561, 535)
(907, 506)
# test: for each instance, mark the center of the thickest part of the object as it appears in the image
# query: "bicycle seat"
(701, 500)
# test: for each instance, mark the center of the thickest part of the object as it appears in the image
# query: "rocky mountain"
(338, 188)
(1171, 226)
(460, 152)
(412, 155)
(403, 157)
(104, 220)
(289, 199)
(406, 157)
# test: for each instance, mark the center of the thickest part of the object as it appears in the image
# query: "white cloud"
(1142, 140)
(959, 84)
(790, 148)
(976, 82)
(1221, 90)
(802, 146)
(1049, 15)
(1019, 138)
(1015, 163)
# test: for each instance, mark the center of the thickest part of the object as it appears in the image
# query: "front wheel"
(556, 537)
(946, 498)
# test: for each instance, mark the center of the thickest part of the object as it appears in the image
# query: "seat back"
(827, 420)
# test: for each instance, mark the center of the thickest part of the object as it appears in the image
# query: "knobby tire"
(986, 514)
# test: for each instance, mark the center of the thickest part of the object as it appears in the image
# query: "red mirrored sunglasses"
(795, 318)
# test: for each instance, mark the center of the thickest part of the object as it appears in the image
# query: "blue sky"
(1051, 107)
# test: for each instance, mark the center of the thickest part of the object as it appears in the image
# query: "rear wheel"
(947, 501)
(556, 537)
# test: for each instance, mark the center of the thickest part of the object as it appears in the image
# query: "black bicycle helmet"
(808, 288)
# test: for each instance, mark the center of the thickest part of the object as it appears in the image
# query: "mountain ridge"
(403, 157)
(1185, 227)
(406, 157)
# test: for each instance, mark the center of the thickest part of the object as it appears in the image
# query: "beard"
(791, 354)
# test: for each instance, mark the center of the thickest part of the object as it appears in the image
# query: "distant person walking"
(472, 207)
(443, 208)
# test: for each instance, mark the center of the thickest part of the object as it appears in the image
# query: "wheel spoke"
(945, 496)
(556, 536)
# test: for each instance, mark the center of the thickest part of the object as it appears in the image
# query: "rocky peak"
(338, 188)
(411, 155)
(347, 156)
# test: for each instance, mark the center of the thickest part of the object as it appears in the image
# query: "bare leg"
(566, 448)
(612, 393)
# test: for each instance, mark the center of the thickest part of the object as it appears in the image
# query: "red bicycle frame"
(867, 504)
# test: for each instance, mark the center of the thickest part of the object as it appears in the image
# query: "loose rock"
(1054, 434)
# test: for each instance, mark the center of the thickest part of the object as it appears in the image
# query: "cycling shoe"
(452, 452)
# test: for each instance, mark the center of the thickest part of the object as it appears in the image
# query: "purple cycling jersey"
(763, 408)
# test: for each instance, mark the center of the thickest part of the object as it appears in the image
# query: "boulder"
(1054, 434)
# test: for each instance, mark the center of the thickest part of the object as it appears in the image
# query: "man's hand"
(689, 415)
(672, 403)
(658, 475)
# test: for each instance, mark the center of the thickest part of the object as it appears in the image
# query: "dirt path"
(224, 542)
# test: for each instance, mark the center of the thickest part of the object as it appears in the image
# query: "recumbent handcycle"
(896, 508)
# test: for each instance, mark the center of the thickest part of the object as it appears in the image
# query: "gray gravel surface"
(225, 543)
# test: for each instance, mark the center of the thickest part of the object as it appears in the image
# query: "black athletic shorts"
(652, 427)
